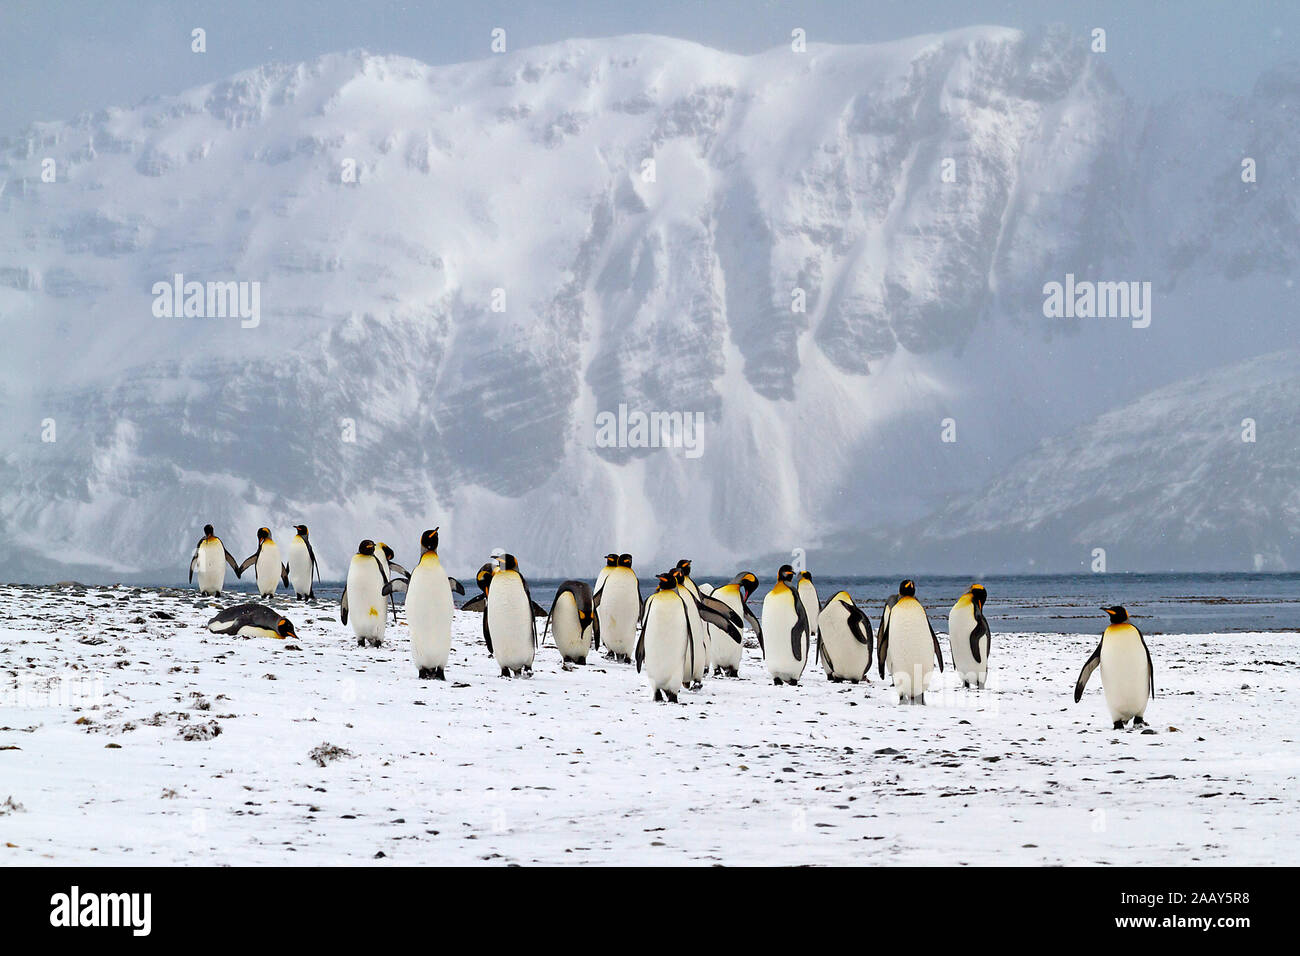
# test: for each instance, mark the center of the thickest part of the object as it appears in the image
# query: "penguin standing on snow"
(907, 644)
(785, 626)
(302, 563)
(209, 560)
(428, 608)
(363, 596)
(573, 622)
(252, 620)
(618, 607)
(808, 598)
(508, 627)
(270, 572)
(843, 639)
(1127, 676)
(663, 646)
(969, 637)
(726, 655)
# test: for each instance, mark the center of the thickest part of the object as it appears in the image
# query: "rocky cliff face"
(823, 255)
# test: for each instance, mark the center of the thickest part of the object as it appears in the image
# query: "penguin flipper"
(882, 642)
(1089, 666)
(394, 586)
(247, 563)
(640, 650)
(343, 606)
(194, 559)
(981, 629)
(938, 651)
(312, 555)
(713, 611)
(487, 634)
(538, 610)
(230, 560)
(758, 628)
(394, 566)
(1151, 674)
(800, 630)
(478, 603)
(859, 624)
(456, 585)
(284, 574)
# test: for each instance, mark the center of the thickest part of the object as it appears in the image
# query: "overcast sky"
(60, 57)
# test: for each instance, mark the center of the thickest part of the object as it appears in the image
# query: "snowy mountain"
(1204, 467)
(459, 270)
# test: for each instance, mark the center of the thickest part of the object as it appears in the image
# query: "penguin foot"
(439, 674)
(361, 642)
(793, 683)
(426, 673)
(1138, 721)
(777, 681)
(505, 672)
(659, 697)
(733, 672)
(836, 680)
(1119, 725)
(672, 698)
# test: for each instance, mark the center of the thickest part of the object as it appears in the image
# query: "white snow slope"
(580, 766)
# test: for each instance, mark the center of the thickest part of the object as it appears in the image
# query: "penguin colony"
(676, 637)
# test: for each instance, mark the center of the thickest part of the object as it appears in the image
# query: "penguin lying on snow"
(252, 620)
(1127, 676)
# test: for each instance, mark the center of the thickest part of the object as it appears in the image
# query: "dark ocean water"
(1158, 603)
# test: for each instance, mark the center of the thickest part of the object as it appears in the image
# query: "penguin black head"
(484, 576)
(263, 534)
(1117, 614)
(510, 563)
(749, 581)
(678, 576)
(366, 547)
(625, 560)
(667, 581)
(684, 565)
(207, 531)
(785, 574)
(611, 560)
(805, 576)
(429, 540)
(388, 552)
(301, 529)
(284, 628)
(978, 594)
(907, 588)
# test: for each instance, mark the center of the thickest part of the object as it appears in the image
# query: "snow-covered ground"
(100, 689)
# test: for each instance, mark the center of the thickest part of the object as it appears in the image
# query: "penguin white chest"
(665, 643)
(268, 568)
(571, 639)
(911, 648)
(697, 652)
(620, 606)
(961, 622)
(1124, 673)
(723, 651)
(811, 607)
(211, 569)
(510, 621)
(779, 621)
(367, 608)
(428, 613)
(299, 566)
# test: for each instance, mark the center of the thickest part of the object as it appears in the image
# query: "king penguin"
(785, 628)
(969, 638)
(302, 563)
(270, 572)
(508, 627)
(907, 645)
(843, 639)
(664, 644)
(209, 561)
(252, 620)
(573, 622)
(726, 655)
(808, 598)
(363, 596)
(1127, 676)
(618, 608)
(611, 561)
(428, 609)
